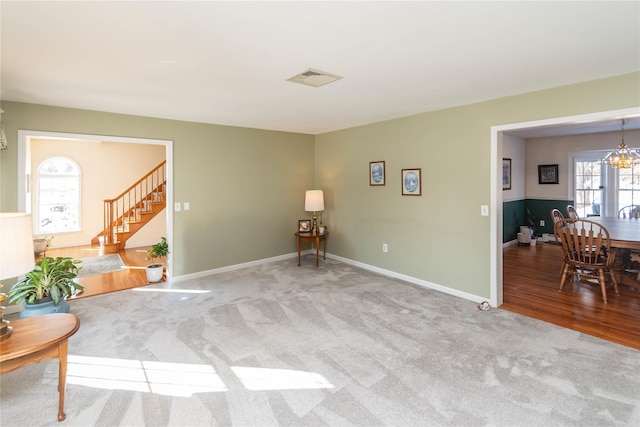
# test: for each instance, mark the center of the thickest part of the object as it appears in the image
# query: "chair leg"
(603, 286)
(563, 276)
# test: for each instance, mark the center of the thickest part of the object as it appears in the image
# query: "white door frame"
(24, 146)
(495, 217)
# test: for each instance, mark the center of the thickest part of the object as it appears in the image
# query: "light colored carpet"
(100, 265)
(278, 344)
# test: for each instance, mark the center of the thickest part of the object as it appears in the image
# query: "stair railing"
(130, 204)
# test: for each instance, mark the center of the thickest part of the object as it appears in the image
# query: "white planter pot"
(154, 272)
(39, 246)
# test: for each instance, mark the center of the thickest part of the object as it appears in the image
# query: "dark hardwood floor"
(531, 278)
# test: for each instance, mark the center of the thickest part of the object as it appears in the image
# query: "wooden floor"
(531, 278)
(132, 277)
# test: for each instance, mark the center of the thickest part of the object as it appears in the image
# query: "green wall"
(439, 237)
(246, 186)
(516, 212)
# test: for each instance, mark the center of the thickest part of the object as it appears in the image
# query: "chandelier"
(623, 157)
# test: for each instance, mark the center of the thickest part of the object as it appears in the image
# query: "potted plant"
(45, 288)
(41, 244)
(158, 250)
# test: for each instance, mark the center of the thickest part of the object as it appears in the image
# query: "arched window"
(58, 196)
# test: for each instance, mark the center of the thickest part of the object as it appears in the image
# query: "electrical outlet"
(385, 248)
(542, 223)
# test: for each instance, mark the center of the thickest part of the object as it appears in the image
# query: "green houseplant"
(45, 288)
(158, 250)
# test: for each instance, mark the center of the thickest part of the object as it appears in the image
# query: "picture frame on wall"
(412, 182)
(304, 226)
(377, 173)
(506, 174)
(548, 174)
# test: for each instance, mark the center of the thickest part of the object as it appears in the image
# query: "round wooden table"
(38, 338)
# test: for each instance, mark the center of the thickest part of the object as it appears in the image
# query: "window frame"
(38, 177)
(610, 183)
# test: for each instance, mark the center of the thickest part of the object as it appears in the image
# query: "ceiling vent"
(314, 78)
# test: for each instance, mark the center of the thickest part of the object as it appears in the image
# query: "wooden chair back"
(586, 250)
(556, 215)
(571, 212)
(631, 211)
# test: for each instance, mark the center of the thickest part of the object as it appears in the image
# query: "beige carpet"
(282, 345)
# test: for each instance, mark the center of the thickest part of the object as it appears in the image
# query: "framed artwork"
(411, 182)
(547, 174)
(376, 173)
(506, 174)
(304, 226)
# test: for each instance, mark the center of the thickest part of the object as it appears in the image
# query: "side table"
(38, 338)
(312, 238)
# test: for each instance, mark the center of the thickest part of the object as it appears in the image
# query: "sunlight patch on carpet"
(100, 265)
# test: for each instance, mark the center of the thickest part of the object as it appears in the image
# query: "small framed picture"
(547, 174)
(376, 173)
(411, 182)
(304, 226)
(506, 174)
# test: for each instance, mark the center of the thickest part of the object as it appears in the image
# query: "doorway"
(496, 215)
(24, 172)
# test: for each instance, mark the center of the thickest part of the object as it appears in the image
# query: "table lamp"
(313, 202)
(16, 254)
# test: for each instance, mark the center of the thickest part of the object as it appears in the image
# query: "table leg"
(317, 249)
(62, 378)
(324, 255)
(298, 240)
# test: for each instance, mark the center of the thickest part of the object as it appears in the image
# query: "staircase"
(131, 210)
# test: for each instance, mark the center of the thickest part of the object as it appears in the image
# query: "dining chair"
(631, 211)
(586, 248)
(556, 216)
(571, 212)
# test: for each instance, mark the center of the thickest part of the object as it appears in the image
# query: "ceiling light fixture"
(624, 157)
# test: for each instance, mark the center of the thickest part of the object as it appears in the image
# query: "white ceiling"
(228, 62)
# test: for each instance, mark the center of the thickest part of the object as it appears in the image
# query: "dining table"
(624, 234)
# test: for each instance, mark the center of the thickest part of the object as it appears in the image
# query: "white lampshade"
(314, 201)
(16, 244)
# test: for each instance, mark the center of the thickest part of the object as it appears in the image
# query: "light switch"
(484, 210)
(177, 207)
(186, 206)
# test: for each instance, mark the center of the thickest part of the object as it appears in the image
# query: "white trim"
(495, 254)
(389, 273)
(234, 267)
(24, 138)
(413, 280)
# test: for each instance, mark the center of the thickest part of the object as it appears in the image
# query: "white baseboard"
(238, 266)
(509, 243)
(413, 280)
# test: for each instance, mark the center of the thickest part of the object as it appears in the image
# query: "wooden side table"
(38, 338)
(312, 238)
